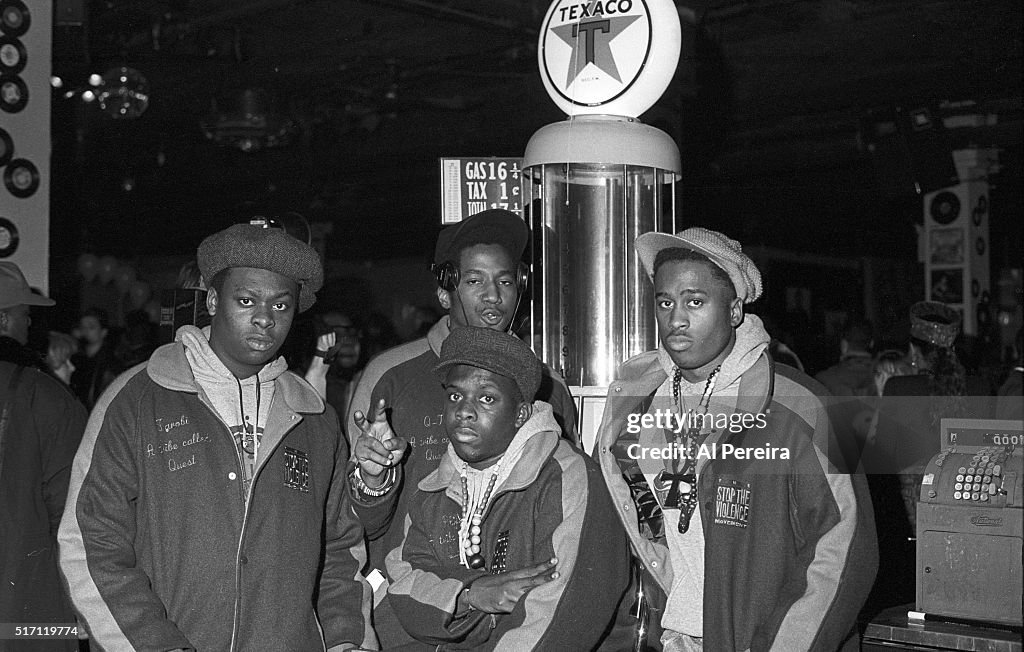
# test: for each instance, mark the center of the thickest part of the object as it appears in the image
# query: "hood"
(241, 403)
(751, 341)
(532, 445)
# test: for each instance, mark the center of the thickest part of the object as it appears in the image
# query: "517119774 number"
(10, 631)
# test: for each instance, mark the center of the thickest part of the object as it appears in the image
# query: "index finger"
(378, 413)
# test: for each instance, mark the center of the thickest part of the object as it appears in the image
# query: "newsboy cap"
(494, 226)
(721, 250)
(494, 351)
(248, 245)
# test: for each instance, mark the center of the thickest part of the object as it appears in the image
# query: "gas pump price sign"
(473, 185)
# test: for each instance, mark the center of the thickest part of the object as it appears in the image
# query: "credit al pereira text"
(714, 451)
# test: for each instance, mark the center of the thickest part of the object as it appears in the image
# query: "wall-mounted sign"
(612, 57)
(473, 185)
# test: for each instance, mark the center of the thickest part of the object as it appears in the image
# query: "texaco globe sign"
(612, 57)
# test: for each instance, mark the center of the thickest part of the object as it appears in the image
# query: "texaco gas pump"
(597, 180)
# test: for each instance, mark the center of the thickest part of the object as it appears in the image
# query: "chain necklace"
(691, 440)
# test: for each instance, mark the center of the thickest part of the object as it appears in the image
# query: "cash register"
(969, 531)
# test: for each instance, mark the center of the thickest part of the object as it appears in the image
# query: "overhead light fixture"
(252, 126)
(123, 93)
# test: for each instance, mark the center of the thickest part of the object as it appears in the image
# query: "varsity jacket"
(404, 377)
(790, 552)
(553, 504)
(162, 548)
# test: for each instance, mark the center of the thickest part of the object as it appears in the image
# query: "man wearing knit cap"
(208, 507)
(480, 281)
(511, 542)
(750, 540)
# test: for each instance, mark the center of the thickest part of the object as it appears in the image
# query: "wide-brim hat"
(14, 289)
(720, 249)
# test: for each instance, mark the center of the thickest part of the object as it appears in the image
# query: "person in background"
(851, 383)
(208, 508)
(41, 424)
(511, 542)
(1009, 399)
(96, 364)
(479, 282)
(58, 355)
(913, 405)
(745, 552)
(337, 362)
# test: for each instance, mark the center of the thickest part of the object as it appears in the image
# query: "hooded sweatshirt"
(790, 551)
(241, 404)
(550, 502)
(684, 611)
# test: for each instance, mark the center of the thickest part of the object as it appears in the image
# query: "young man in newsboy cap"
(480, 281)
(751, 539)
(511, 542)
(208, 507)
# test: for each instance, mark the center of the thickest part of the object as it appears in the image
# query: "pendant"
(476, 561)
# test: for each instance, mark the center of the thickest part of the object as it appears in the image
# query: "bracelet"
(321, 354)
(363, 488)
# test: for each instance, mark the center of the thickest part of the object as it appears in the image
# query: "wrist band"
(363, 488)
(321, 354)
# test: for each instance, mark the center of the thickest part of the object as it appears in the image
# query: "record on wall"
(8, 237)
(21, 177)
(13, 93)
(944, 207)
(6, 147)
(15, 18)
(13, 56)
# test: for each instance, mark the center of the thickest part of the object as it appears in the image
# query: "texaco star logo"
(594, 51)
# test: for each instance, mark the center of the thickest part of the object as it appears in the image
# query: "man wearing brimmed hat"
(511, 542)
(747, 534)
(480, 282)
(41, 424)
(208, 508)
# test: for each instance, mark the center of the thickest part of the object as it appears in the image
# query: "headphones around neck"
(447, 275)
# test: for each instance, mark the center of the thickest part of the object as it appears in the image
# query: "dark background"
(791, 117)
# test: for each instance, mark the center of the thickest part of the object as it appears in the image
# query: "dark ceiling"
(776, 107)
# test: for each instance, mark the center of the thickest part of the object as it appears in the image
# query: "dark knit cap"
(495, 226)
(494, 351)
(247, 245)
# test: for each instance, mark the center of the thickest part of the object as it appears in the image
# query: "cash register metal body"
(969, 529)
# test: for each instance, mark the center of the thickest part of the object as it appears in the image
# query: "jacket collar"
(169, 368)
(536, 451)
(437, 335)
(643, 374)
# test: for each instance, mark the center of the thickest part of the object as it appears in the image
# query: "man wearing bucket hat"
(208, 508)
(41, 424)
(480, 282)
(747, 534)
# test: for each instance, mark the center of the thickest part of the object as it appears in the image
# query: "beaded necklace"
(691, 440)
(473, 508)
